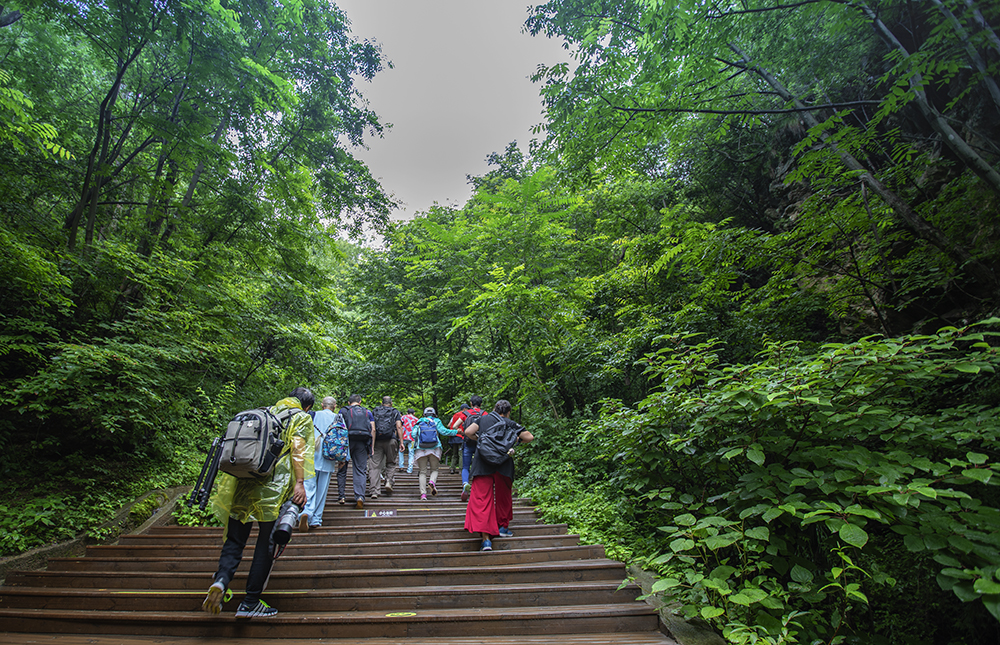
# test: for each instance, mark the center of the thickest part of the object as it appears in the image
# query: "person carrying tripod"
(238, 503)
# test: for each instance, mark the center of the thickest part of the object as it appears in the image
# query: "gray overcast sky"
(458, 91)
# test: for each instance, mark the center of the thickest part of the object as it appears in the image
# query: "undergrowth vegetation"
(64, 490)
(804, 497)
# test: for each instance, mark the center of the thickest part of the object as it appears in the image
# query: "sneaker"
(487, 546)
(388, 490)
(258, 610)
(434, 489)
(359, 502)
(506, 532)
(423, 497)
(303, 522)
(465, 492)
(341, 501)
(217, 594)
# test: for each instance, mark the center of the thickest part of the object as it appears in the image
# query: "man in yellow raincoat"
(238, 503)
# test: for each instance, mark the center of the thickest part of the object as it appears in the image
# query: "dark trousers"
(341, 478)
(359, 460)
(232, 553)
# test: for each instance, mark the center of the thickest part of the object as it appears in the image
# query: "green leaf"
(722, 572)
(708, 613)
(772, 514)
(681, 544)
(934, 542)
(986, 586)
(961, 544)
(756, 456)
(721, 541)
(853, 535)
(665, 583)
(686, 519)
(976, 457)
(981, 475)
(964, 590)
(759, 533)
(992, 603)
(801, 575)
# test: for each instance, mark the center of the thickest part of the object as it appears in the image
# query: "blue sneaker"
(487, 546)
(506, 532)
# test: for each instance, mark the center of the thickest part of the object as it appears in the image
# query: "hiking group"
(290, 469)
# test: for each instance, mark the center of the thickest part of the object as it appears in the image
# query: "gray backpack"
(252, 443)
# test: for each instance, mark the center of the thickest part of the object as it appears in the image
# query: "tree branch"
(7, 19)
(791, 110)
(780, 7)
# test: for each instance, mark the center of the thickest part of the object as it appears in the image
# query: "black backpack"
(475, 415)
(385, 422)
(495, 443)
(357, 422)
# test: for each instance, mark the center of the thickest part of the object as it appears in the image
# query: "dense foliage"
(733, 290)
(171, 174)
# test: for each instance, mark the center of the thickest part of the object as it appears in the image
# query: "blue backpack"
(428, 435)
(335, 444)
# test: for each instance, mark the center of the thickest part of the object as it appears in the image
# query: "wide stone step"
(451, 531)
(349, 624)
(283, 578)
(319, 548)
(294, 562)
(618, 638)
(330, 600)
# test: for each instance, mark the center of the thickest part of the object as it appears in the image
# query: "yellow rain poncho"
(258, 500)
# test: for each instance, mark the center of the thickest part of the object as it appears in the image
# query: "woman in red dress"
(491, 505)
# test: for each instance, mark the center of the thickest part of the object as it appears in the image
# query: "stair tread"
(464, 613)
(289, 555)
(351, 591)
(618, 638)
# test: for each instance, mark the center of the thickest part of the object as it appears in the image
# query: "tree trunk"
(90, 192)
(9, 18)
(977, 16)
(970, 51)
(951, 138)
(917, 225)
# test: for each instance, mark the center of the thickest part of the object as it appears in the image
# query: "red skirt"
(490, 504)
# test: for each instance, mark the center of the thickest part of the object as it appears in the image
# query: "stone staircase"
(401, 570)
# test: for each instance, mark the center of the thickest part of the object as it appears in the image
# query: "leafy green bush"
(194, 516)
(772, 478)
(804, 497)
(81, 491)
